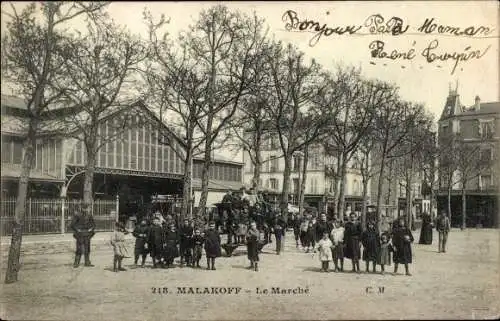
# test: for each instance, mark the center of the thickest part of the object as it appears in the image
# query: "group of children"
(334, 241)
(164, 243)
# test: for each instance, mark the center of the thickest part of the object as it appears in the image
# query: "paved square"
(463, 283)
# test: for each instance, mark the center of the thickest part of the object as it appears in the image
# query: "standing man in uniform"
(83, 227)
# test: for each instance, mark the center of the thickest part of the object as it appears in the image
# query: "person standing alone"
(443, 227)
(83, 227)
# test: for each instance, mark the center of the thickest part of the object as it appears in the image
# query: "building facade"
(475, 129)
(319, 184)
(134, 163)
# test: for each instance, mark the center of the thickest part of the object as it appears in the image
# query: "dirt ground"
(460, 284)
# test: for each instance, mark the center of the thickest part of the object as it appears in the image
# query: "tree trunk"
(257, 140)
(187, 179)
(450, 186)
(13, 265)
(379, 191)
(88, 180)
(204, 181)
(464, 208)
(342, 179)
(286, 187)
(408, 208)
(365, 200)
(303, 180)
(256, 170)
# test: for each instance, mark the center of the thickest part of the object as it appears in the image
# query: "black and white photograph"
(216, 160)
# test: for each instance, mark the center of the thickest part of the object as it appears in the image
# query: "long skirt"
(171, 250)
(403, 254)
(426, 234)
(253, 251)
(352, 249)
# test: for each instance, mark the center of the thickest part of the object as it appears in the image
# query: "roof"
(13, 102)
(14, 171)
(219, 185)
(485, 108)
(220, 158)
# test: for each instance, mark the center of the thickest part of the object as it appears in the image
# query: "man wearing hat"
(83, 227)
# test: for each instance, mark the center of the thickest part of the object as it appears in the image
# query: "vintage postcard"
(333, 160)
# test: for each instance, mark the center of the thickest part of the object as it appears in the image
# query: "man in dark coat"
(83, 227)
(156, 235)
(253, 236)
(352, 235)
(212, 246)
(401, 241)
(141, 234)
(279, 231)
(170, 245)
(322, 226)
(186, 242)
(296, 228)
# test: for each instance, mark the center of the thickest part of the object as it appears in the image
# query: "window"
(296, 163)
(314, 186)
(273, 183)
(485, 181)
(486, 155)
(295, 185)
(274, 163)
(486, 128)
(17, 153)
(273, 142)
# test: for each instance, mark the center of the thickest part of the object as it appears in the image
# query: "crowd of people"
(164, 239)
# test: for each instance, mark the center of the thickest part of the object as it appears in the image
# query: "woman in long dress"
(426, 231)
(352, 239)
(401, 240)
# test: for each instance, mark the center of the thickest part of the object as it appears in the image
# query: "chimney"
(477, 103)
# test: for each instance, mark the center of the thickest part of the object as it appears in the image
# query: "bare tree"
(30, 74)
(228, 47)
(463, 162)
(410, 152)
(392, 124)
(353, 101)
(296, 120)
(99, 66)
(177, 89)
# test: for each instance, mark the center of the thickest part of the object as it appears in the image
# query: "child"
(141, 233)
(384, 257)
(371, 244)
(310, 241)
(401, 240)
(253, 237)
(325, 251)
(198, 241)
(337, 235)
(171, 241)
(212, 246)
(119, 249)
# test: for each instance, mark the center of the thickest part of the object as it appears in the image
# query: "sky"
(418, 79)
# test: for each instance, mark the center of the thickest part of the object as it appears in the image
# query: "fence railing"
(45, 216)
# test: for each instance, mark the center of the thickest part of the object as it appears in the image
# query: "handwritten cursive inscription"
(378, 51)
(429, 26)
(431, 55)
(394, 26)
(292, 22)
